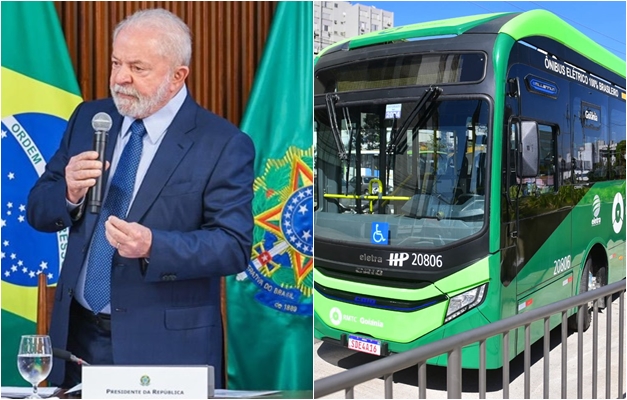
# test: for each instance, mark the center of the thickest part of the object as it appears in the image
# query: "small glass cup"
(34, 360)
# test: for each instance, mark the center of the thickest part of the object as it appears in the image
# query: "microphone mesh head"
(101, 122)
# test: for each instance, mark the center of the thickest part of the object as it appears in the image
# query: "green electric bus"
(501, 151)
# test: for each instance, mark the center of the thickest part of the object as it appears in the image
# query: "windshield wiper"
(331, 99)
(430, 96)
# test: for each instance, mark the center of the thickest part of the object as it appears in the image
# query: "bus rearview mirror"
(528, 153)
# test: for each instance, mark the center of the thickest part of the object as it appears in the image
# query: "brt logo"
(398, 259)
(618, 213)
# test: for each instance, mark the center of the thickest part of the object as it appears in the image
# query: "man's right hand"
(81, 174)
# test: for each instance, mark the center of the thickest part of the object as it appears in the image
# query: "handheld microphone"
(67, 356)
(101, 123)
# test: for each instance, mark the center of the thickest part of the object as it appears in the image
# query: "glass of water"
(34, 360)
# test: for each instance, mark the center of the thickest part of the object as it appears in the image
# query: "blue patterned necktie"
(98, 279)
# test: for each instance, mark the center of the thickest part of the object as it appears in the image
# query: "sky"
(602, 21)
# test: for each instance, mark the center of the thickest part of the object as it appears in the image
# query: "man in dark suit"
(140, 283)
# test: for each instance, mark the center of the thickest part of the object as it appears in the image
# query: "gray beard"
(141, 107)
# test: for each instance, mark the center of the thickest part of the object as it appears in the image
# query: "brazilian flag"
(39, 93)
(269, 305)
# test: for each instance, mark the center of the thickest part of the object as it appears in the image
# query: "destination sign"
(582, 77)
(591, 115)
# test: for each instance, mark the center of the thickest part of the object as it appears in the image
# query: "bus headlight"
(463, 302)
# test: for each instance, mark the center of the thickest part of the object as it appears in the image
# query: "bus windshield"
(428, 182)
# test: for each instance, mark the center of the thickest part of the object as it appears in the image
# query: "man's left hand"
(130, 238)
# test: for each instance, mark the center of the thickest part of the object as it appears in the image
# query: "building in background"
(337, 20)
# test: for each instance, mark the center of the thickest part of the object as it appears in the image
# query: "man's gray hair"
(176, 39)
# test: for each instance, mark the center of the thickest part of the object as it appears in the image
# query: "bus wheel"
(600, 280)
(587, 279)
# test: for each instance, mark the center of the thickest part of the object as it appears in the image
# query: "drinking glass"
(34, 360)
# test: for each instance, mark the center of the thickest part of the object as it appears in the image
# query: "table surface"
(283, 394)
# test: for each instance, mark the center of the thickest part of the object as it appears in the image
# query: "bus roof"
(519, 26)
(452, 26)
(546, 24)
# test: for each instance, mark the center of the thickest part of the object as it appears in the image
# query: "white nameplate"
(147, 382)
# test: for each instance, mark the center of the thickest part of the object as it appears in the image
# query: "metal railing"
(452, 346)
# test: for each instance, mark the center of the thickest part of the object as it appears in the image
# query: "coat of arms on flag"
(282, 256)
(269, 306)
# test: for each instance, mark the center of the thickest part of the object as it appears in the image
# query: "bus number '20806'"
(561, 265)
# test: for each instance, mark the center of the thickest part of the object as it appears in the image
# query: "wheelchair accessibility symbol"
(380, 233)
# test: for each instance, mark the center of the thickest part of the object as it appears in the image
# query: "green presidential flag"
(269, 306)
(39, 93)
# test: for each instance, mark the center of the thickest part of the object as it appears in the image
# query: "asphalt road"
(330, 359)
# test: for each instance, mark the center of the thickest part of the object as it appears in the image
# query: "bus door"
(536, 220)
(537, 251)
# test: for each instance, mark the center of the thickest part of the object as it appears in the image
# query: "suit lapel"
(112, 139)
(173, 148)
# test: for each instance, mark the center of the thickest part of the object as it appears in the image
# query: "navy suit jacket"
(196, 198)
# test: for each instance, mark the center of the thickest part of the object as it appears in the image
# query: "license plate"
(365, 345)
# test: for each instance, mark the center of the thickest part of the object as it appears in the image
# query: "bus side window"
(545, 181)
(616, 141)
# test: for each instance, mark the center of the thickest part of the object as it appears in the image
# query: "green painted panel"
(559, 288)
(470, 355)
(403, 327)
(568, 246)
(502, 46)
(616, 263)
(452, 26)
(466, 279)
(608, 229)
(470, 359)
(553, 258)
(419, 328)
(546, 24)
(379, 291)
(386, 325)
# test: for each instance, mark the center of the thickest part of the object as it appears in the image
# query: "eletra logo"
(596, 206)
(618, 213)
(596, 210)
